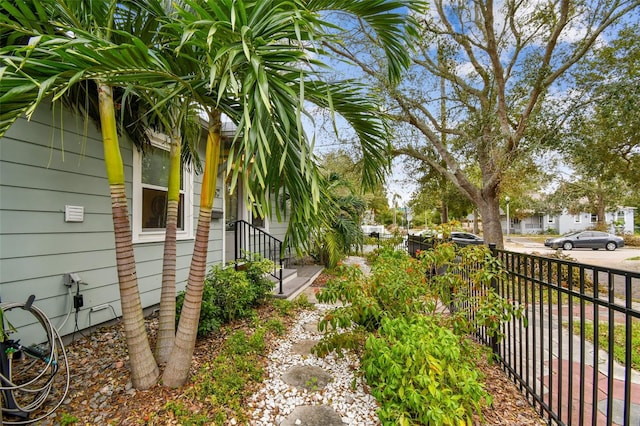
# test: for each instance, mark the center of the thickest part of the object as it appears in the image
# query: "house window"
(594, 218)
(150, 183)
(621, 215)
(577, 218)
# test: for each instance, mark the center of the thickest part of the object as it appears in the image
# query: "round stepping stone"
(307, 377)
(303, 347)
(313, 415)
(311, 327)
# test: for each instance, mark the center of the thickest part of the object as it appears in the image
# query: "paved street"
(620, 259)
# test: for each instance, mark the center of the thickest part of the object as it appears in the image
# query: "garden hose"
(22, 396)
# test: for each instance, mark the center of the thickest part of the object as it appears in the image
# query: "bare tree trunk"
(144, 370)
(444, 212)
(600, 206)
(476, 227)
(167, 320)
(177, 370)
(491, 226)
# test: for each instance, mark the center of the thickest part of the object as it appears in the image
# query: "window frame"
(141, 236)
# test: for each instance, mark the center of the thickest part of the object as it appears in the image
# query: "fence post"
(494, 286)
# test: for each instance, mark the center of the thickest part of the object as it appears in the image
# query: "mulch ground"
(100, 391)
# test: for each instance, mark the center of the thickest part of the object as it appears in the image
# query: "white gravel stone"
(352, 403)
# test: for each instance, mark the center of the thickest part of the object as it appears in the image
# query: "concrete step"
(287, 275)
(293, 284)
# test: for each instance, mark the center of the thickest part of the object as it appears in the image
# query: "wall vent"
(73, 213)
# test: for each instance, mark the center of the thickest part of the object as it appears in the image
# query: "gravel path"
(101, 391)
(345, 392)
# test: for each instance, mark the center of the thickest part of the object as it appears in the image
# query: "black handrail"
(250, 239)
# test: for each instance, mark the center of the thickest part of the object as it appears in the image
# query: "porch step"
(294, 281)
(287, 275)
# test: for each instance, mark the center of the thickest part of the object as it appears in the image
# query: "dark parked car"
(586, 239)
(466, 239)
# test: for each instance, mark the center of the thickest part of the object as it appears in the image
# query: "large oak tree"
(494, 66)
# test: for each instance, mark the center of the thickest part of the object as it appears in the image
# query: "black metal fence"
(572, 352)
(412, 243)
(397, 241)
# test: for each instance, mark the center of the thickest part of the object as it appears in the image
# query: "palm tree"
(340, 215)
(259, 70)
(49, 66)
(263, 72)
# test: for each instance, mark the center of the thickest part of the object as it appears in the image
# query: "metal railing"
(571, 353)
(250, 240)
(412, 243)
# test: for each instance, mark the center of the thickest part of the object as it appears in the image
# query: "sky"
(399, 180)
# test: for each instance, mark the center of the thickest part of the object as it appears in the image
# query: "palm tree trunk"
(167, 320)
(144, 370)
(177, 371)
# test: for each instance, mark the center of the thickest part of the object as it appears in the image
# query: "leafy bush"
(421, 371)
(420, 374)
(397, 286)
(256, 269)
(230, 294)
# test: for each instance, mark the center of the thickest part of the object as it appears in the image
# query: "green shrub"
(256, 269)
(230, 294)
(283, 307)
(227, 381)
(396, 287)
(419, 373)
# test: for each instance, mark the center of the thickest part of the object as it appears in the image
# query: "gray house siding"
(41, 172)
(278, 229)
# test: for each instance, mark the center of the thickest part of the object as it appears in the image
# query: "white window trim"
(159, 141)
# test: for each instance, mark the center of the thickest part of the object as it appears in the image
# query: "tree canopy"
(480, 76)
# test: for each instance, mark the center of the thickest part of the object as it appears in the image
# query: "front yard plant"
(423, 373)
(416, 355)
(231, 293)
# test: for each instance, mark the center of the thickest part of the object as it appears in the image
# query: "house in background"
(619, 221)
(55, 219)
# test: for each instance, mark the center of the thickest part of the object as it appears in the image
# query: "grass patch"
(634, 258)
(537, 238)
(619, 340)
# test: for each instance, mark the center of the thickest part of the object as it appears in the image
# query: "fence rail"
(553, 353)
(397, 241)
